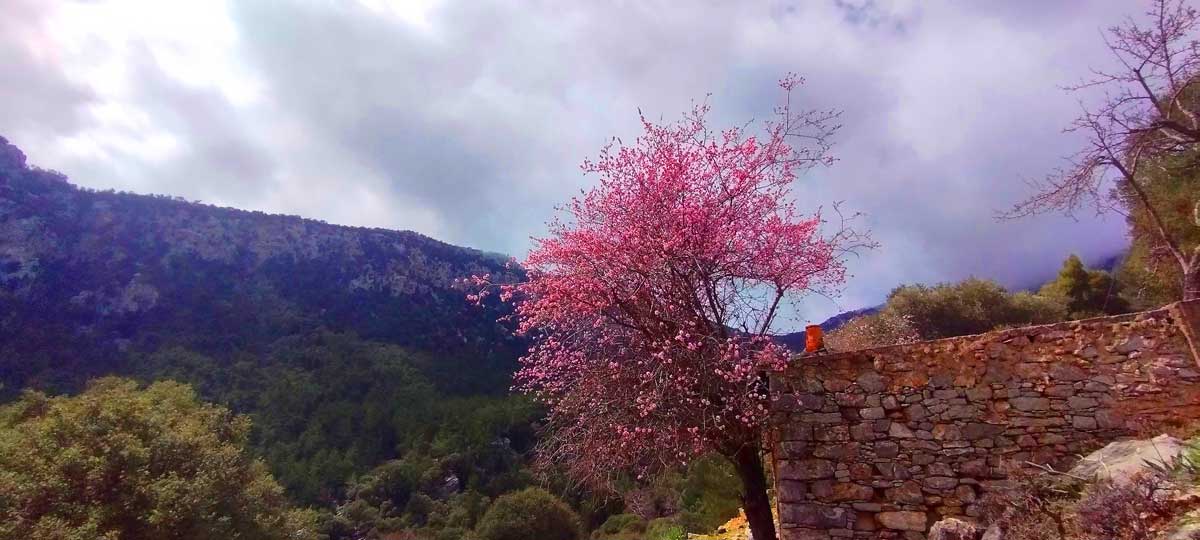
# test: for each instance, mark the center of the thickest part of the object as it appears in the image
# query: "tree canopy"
(651, 300)
(1148, 118)
(971, 306)
(1151, 276)
(1085, 293)
(122, 463)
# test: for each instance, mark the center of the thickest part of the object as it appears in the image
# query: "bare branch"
(1146, 114)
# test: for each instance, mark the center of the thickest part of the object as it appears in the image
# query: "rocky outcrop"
(1119, 461)
(955, 529)
(883, 443)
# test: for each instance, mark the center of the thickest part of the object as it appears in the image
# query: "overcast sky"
(466, 121)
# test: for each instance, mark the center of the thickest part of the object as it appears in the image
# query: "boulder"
(1121, 460)
(954, 529)
(993, 532)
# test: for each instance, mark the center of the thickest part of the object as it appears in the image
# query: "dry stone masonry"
(882, 443)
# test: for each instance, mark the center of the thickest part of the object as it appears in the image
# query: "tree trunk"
(755, 502)
(1191, 283)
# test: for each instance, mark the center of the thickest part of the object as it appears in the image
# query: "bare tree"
(1149, 111)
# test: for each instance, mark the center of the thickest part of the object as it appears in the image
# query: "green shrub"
(529, 514)
(1191, 461)
(710, 494)
(971, 306)
(665, 529)
(621, 527)
(119, 461)
(622, 523)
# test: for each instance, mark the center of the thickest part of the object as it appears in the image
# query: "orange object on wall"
(814, 340)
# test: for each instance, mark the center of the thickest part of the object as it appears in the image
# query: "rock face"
(1119, 461)
(954, 529)
(881, 443)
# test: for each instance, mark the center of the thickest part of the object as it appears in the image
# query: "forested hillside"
(87, 278)
(346, 347)
(374, 391)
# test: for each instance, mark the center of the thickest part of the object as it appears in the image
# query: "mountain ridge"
(87, 276)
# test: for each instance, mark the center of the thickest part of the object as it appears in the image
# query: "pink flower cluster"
(651, 300)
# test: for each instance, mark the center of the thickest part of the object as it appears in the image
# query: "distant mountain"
(88, 277)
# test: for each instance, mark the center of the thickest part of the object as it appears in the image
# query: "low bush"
(619, 524)
(1132, 510)
(528, 514)
(665, 529)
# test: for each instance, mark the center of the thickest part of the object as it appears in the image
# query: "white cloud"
(467, 120)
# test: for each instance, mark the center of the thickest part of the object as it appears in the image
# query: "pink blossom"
(650, 302)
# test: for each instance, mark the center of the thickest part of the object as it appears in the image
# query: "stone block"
(1062, 371)
(977, 430)
(1029, 404)
(860, 471)
(907, 493)
(1061, 391)
(832, 433)
(947, 432)
(806, 469)
(822, 418)
(850, 400)
(1083, 422)
(916, 412)
(794, 449)
(977, 468)
(872, 413)
(1130, 344)
(817, 516)
(982, 393)
(862, 432)
(839, 452)
(1110, 419)
(812, 402)
(903, 521)
(939, 469)
(871, 382)
(887, 449)
(848, 491)
(900, 431)
(835, 385)
(1080, 402)
(792, 491)
(941, 482)
(792, 533)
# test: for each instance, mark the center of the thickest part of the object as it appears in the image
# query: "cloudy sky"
(467, 121)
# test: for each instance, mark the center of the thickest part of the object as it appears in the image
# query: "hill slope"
(88, 277)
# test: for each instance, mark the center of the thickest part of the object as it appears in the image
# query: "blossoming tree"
(651, 301)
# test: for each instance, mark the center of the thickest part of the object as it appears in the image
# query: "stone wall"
(882, 443)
